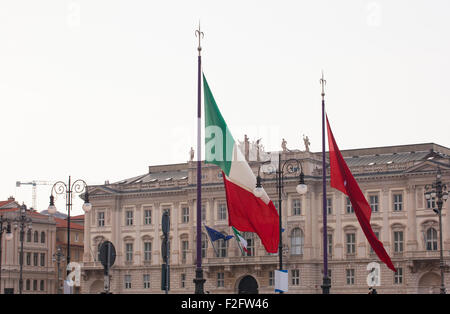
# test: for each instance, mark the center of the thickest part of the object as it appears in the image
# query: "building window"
(147, 217)
(35, 259)
(147, 251)
(42, 259)
(330, 244)
(329, 205)
(28, 259)
(28, 284)
(220, 280)
(250, 238)
(146, 280)
(127, 281)
(204, 245)
(222, 247)
(183, 281)
(431, 239)
(35, 285)
(101, 219)
(350, 275)
(185, 214)
(431, 203)
(42, 285)
(222, 211)
(42, 237)
(271, 278)
(377, 234)
(348, 206)
(296, 207)
(373, 201)
(28, 236)
(398, 276)
(129, 218)
(295, 277)
(184, 250)
(129, 252)
(398, 241)
(203, 208)
(398, 202)
(297, 241)
(350, 243)
(36, 237)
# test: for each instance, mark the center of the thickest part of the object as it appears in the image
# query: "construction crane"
(33, 183)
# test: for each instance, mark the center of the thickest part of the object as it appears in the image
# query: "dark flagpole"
(326, 285)
(199, 281)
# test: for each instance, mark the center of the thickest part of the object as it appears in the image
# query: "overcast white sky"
(100, 90)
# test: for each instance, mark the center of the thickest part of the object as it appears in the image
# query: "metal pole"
(441, 261)
(69, 205)
(280, 243)
(199, 281)
(58, 261)
(22, 235)
(326, 281)
(1, 248)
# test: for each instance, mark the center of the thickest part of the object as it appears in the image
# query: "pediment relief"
(429, 166)
(99, 190)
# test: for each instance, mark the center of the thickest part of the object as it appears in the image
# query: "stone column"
(308, 223)
(385, 205)
(156, 235)
(411, 205)
(87, 236)
(337, 208)
(175, 236)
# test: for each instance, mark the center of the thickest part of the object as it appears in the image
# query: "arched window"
(431, 239)
(36, 236)
(29, 236)
(297, 241)
(42, 237)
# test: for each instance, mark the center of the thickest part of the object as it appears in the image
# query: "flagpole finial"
(323, 82)
(200, 35)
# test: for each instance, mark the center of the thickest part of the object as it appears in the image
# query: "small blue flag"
(216, 235)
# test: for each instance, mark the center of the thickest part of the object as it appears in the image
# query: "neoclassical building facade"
(128, 213)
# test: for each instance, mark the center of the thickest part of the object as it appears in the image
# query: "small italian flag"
(241, 240)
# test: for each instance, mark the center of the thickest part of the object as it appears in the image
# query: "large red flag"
(343, 180)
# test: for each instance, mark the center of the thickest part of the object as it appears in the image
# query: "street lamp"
(8, 237)
(301, 189)
(78, 186)
(22, 221)
(58, 257)
(438, 190)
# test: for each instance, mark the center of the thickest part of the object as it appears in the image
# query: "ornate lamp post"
(22, 221)
(78, 186)
(3, 228)
(301, 189)
(58, 257)
(439, 192)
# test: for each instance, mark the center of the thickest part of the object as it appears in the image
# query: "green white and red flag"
(240, 239)
(246, 212)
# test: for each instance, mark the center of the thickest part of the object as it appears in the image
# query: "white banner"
(281, 281)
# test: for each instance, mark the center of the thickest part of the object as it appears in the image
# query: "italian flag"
(246, 212)
(240, 239)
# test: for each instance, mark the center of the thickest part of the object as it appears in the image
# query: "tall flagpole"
(199, 281)
(326, 285)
